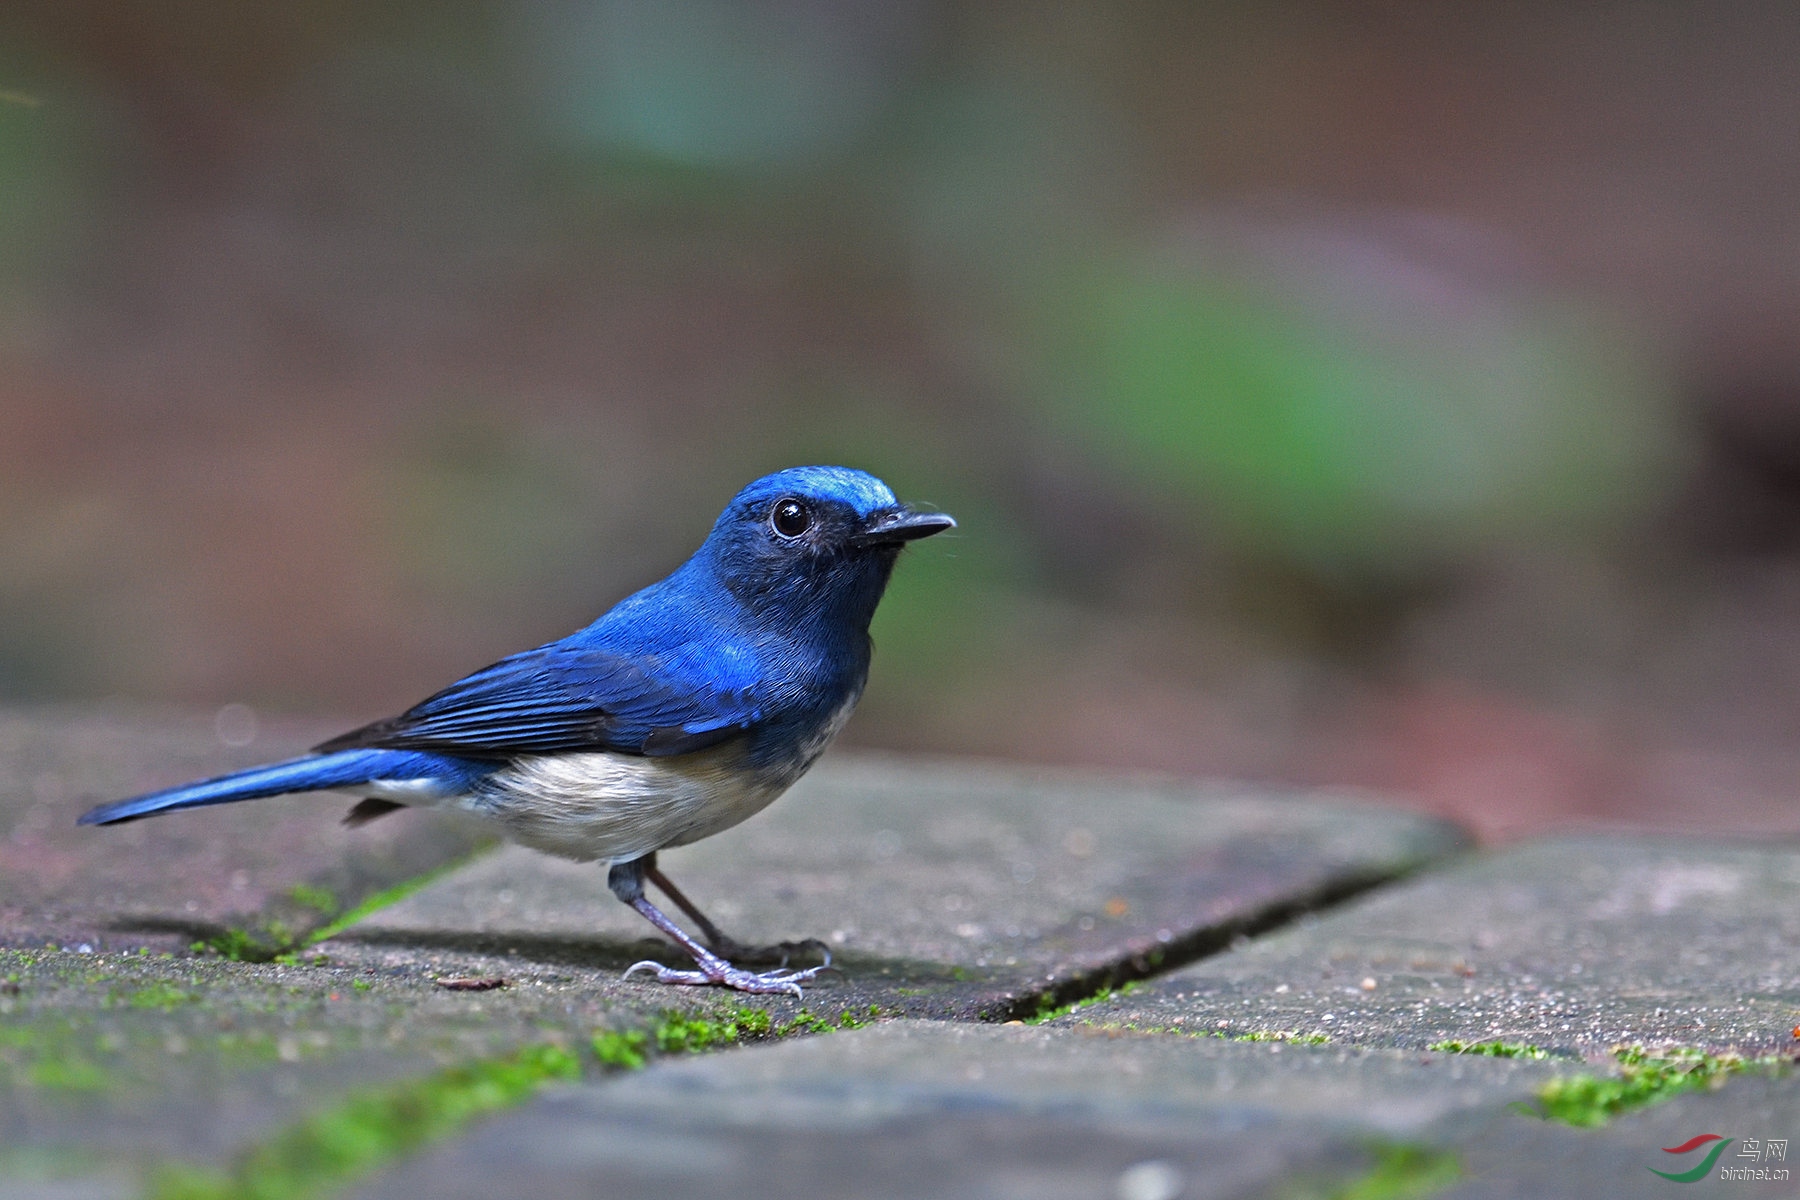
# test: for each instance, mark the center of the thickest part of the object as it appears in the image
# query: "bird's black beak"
(902, 525)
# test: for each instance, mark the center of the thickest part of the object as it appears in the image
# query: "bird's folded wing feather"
(558, 699)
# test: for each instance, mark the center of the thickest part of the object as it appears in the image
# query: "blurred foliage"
(717, 83)
(59, 147)
(1365, 416)
(370, 339)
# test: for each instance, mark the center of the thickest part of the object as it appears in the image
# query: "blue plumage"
(312, 773)
(684, 709)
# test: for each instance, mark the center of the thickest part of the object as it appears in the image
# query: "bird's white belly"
(618, 807)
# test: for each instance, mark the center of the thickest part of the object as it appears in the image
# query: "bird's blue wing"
(561, 698)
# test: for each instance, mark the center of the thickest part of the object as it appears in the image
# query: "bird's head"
(815, 543)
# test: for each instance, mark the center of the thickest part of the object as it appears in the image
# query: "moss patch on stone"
(688, 1032)
(320, 914)
(1645, 1077)
(1048, 1009)
(1401, 1171)
(1491, 1049)
(369, 1128)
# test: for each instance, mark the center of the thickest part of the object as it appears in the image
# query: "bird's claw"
(770, 983)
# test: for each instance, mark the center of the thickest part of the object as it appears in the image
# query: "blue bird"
(687, 708)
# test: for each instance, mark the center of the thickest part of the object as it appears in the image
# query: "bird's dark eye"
(790, 518)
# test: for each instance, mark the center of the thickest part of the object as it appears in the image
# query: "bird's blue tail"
(310, 773)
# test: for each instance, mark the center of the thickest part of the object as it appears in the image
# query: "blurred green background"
(1360, 393)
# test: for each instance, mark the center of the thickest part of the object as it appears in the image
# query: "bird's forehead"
(846, 485)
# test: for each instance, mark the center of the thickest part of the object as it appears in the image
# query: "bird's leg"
(722, 944)
(627, 883)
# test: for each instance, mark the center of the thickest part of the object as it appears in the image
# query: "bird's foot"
(716, 972)
(779, 954)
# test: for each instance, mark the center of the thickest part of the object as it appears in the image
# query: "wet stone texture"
(924, 1108)
(274, 869)
(1575, 945)
(954, 889)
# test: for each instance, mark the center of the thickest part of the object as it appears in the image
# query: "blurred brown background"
(1379, 393)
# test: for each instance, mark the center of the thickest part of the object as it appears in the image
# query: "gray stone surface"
(110, 1061)
(1516, 1158)
(946, 890)
(1576, 945)
(190, 1056)
(164, 882)
(954, 888)
(930, 1109)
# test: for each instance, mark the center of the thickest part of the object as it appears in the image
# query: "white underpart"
(617, 807)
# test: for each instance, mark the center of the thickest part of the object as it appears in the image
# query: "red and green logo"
(1688, 1147)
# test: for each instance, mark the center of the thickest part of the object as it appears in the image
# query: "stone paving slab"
(1575, 945)
(113, 1062)
(956, 889)
(922, 1108)
(275, 869)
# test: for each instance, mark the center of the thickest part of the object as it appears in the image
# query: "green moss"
(1403, 1172)
(238, 945)
(51, 1054)
(1400, 1172)
(689, 1033)
(1645, 1077)
(623, 1050)
(1293, 1036)
(679, 1032)
(1491, 1049)
(318, 899)
(807, 1022)
(367, 1129)
(159, 994)
(68, 1073)
(387, 896)
(68, 1054)
(1048, 1009)
(277, 941)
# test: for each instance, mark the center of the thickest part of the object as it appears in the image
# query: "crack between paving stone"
(264, 938)
(1148, 963)
(1188, 948)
